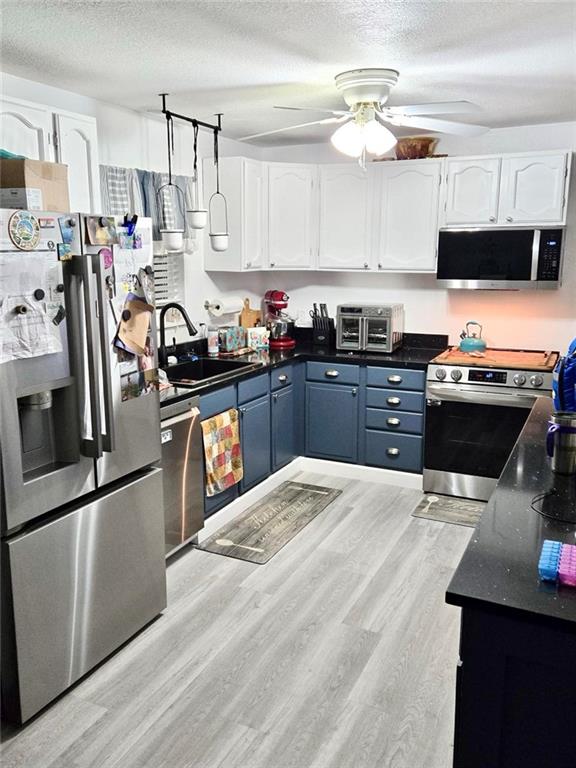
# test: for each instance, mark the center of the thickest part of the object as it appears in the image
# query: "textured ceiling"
(516, 60)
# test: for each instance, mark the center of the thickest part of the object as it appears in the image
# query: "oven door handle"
(436, 395)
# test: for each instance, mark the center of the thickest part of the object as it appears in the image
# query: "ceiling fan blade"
(437, 126)
(435, 108)
(325, 121)
(316, 109)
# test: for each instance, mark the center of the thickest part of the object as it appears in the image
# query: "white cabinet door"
(533, 189)
(25, 129)
(78, 149)
(408, 212)
(255, 199)
(472, 186)
(290, 215)
(344, 233)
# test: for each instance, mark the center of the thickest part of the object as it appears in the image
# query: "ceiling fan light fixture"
(378, 138)
(349, 139)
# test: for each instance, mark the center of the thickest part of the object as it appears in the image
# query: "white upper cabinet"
(407, 198)
(244, 183)
(471, 192)
(291, 215)
(26, 129)
(78, 149)
(533, 188)
(344, 233)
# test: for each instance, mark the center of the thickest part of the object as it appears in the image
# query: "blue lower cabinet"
(255, 441)
(283, 428)
(385, 449)
(214, 503)
(332, 421)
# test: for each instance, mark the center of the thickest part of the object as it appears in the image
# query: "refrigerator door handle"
(93, 446)
(109, 437)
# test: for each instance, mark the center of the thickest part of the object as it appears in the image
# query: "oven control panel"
(451, 375)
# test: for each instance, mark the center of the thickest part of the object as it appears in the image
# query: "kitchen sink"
(207, 370)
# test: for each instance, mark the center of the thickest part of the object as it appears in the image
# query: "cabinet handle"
(509, 218)
(393, 451)
(283, 378)
(395, 379)
(272, 264)
(242, 411)
(366, 265)
(274, 397)
(492, 218)
(354, 392)
(393, 400)
(380, 266)
(248, 264)
(331, 373)
(393, 422)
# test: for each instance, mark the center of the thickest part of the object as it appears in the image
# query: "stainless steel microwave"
(505, 259)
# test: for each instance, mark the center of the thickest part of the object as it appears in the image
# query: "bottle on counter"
(212, 336)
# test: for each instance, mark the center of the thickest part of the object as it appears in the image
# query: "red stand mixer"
(280, 324)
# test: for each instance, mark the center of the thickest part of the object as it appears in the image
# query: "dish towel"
(222, 454)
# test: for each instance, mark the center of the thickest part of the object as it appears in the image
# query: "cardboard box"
(34, 185)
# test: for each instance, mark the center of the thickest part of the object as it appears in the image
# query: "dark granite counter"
(405, 357)
(500, 566)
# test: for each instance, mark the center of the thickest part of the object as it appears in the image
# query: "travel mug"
(561, 442)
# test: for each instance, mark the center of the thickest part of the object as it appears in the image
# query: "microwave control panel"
(549, 255)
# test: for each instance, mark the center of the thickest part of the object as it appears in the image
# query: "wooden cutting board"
(250, 318)
(501, 358)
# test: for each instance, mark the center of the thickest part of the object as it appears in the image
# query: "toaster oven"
(369, 327)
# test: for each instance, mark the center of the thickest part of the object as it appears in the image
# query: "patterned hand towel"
(222, 453)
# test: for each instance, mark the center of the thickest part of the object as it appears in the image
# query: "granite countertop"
(499, 569)
(405, 357)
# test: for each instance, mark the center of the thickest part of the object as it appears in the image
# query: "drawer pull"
(354, 392)
(393, 422)
(331, 373)
(393, 400)
(395, 379)
(393, 451)
(283, 378)
(274, 398)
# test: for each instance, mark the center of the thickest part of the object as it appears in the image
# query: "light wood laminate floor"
(339, 653)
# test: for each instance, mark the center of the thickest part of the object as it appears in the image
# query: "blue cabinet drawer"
(392, 399)
(395, 421)
(217, 401)
(395, 378)
(281, 377)
(252, 388)
(334, 373)
(403, 452)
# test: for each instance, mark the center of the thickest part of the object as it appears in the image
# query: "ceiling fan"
(364, 128)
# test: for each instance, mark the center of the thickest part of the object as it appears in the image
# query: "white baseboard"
(305, 464)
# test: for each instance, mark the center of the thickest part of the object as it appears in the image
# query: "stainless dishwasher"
(183, 470)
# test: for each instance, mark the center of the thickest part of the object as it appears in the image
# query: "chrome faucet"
(192, 330)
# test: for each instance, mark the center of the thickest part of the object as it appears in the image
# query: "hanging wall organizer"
(197, 215)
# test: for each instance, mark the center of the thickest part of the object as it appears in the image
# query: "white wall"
(516, 319)
(521, 319)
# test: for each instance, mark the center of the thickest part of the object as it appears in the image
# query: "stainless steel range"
(475, 409)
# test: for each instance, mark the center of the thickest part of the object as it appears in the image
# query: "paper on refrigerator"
(29, 327)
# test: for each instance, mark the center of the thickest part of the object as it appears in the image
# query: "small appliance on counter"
(370, 327)
(278, 322)
(470, 341)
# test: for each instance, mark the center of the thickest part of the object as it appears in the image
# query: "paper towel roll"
(224, 306)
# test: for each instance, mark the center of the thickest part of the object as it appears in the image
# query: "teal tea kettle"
(469, 341)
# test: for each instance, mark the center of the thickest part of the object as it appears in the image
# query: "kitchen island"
(516, 678)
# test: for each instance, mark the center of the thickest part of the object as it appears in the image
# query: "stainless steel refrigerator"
(81, 507)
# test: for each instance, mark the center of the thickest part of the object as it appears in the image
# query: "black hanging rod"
(196, 123)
